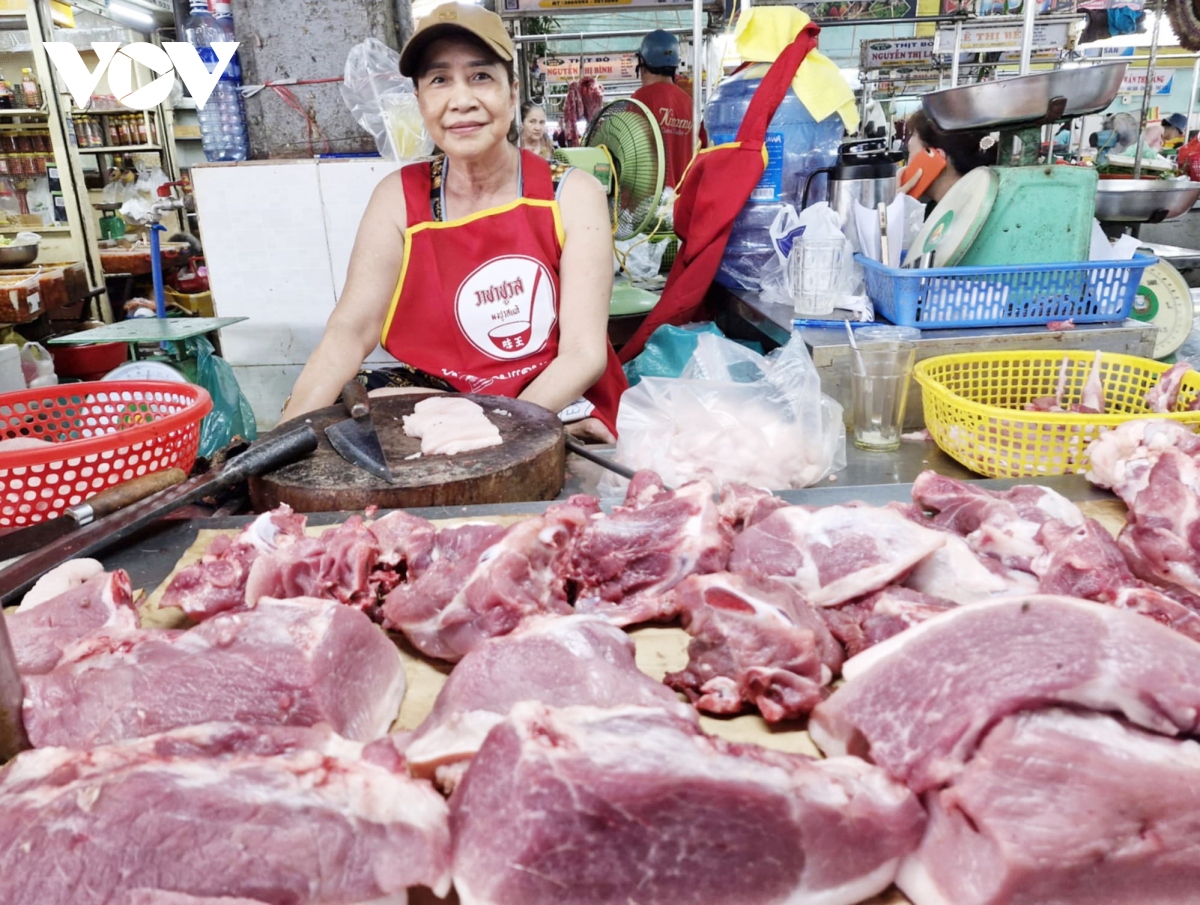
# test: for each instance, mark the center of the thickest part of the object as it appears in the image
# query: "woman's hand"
(591, 429)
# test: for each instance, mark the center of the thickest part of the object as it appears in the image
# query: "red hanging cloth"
(714, 190)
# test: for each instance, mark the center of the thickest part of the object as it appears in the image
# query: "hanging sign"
(534, 6)
(606, 67)
(850, 10)
(886, 54)
(1134, 81)
(985, 38)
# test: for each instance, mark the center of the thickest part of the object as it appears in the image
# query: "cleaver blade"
(355, 439)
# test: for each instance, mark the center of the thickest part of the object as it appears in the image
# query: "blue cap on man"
(660, 50)
(1179, 121)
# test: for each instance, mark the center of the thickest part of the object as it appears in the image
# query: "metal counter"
(748, 316)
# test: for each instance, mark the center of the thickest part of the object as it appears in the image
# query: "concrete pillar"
(308, 39)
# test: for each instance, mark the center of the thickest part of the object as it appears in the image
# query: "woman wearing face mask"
(483, 270)
(937, 160)
(533, 130)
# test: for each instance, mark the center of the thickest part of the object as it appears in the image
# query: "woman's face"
(465, 98)
(534, 124)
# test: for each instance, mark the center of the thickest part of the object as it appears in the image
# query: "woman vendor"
(937, 159)
(533, 130)
(483, 270)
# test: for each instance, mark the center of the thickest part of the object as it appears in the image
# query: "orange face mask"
(929, 163)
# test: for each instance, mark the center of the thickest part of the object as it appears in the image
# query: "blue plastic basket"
(943, 297)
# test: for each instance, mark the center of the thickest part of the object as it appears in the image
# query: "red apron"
(477, 299)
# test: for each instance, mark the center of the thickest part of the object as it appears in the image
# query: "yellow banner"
(62, 14)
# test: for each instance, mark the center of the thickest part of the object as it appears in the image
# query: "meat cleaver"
(106, 502)
(355, 439)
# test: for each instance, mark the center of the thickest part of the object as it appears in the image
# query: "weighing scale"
(1039, 214)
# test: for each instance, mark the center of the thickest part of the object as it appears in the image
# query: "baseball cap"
(1178, 120)
(449, 19)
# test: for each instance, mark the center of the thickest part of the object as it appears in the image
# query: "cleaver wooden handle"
(355, 399)
(114, 498)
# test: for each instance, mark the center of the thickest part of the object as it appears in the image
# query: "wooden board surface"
(529, 465)
(660, 649)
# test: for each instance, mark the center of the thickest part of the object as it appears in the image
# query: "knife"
(355, 439)
(26, 540)
(266, 455)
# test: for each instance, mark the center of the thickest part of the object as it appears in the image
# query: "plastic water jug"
(796, 146)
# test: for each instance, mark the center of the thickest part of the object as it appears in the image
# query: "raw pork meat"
(833, 554)
(1066, 808)
(482, 580)
(1002, 525)
(754, 641)
(218, 582)
(57, 581)
(918, 703)
(1086, 562)
(611, 807)
(13, 444)
(447, 425)
(1154, 466)
(262, 813)
(953, 572)
(742, 505)
(623, 565)
(40, 633)
(557, 660)
(1163, 397)
(286, 662)
(864, 623)
(159, 897)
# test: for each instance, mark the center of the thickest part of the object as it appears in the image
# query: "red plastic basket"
(103, 434)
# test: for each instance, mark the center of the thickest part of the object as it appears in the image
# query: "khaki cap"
(449, 18)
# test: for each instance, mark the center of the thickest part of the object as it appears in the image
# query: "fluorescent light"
(131, 14)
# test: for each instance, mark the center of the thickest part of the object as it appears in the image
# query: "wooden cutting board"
(529, 465)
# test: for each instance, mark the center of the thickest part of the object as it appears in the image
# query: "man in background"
(658, 59)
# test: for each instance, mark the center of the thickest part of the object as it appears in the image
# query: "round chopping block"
(529, 465)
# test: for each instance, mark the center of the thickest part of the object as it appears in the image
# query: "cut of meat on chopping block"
(529, 464)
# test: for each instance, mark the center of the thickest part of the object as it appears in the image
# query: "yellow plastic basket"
(975, 407)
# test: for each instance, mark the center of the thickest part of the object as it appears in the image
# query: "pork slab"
(609, 807)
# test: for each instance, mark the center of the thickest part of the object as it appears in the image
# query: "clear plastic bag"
(733, 415)
(640, 258)
(231, 415)
(383, 101)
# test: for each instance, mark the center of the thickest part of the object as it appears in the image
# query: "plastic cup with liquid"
(879, 378)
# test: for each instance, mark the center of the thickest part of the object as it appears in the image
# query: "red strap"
(775, 85)
(417, 180)
(535, 173)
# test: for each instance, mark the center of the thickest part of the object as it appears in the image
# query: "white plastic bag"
(733, 415)
(383, 101)
(639, 257)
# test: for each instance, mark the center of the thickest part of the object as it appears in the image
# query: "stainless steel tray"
(1144, 200)
(1025, 100)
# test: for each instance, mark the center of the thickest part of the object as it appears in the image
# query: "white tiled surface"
(277, 241)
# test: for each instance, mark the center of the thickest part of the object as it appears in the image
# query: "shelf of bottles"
(116, 132)
(31, 196)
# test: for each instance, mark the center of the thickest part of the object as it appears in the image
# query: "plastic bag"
(231, 415)
(668, 351)
(734, 415)
(383, 101)
(640, 258)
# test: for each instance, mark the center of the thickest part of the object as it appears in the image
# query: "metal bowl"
(1144, 200)
(18, 255)
(1025, 100)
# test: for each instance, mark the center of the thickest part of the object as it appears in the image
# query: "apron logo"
(507, 307)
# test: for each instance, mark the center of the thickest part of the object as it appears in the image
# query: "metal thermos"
(865, 172)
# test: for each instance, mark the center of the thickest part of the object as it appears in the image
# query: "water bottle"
(796, 145)
(223, 119)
